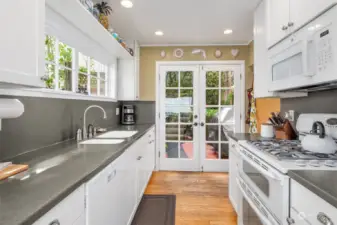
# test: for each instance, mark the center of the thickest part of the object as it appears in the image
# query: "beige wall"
(149, 56)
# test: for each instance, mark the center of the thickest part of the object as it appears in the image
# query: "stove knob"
(314, 163)
(330, 163)
(301, 163)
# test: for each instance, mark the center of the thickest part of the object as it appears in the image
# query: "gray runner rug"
(156, 210)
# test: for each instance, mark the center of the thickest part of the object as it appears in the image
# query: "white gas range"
(264, 165)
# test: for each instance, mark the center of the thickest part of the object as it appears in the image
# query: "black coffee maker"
(128, 115)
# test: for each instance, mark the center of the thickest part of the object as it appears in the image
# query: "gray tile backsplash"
(316, 102)
(47, 121)
(145, 111)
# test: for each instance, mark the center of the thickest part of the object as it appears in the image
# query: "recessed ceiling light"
(159, 33)
(127, 3)
(228, 31)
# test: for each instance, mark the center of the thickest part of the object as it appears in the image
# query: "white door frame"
(240, 63)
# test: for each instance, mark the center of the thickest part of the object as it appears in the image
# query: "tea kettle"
(317, 141)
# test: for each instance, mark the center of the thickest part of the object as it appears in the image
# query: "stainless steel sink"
(102, 142)
(118, 134)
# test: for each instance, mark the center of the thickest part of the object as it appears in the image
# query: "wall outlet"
(290, 115)
(117, 111)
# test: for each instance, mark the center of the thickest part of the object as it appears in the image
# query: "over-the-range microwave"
(308, 58)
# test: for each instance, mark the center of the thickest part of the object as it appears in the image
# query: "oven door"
(268, 185)
(251, 210)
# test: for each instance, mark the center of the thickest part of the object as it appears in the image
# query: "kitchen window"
(70, 70)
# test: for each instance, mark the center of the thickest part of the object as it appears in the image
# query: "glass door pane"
(180, 109)
(220, 88)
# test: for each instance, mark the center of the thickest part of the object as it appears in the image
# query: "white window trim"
(51, 93)
(69, 94)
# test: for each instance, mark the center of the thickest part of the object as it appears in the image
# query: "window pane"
(65, 79)
(212, 79)
(186, 114)
(66, 55)
(172, 79)
(172, 97)
(224, 151)
(83, 63)
(227, 79)
(82, 84)
(212, 150)
(227, 97)
(212, 115)
(186, 132)
(94, 67)
(93, 85)
(172, 149)
(171, 114)
(49, 48)
(212, 97)
(212, 133)
(50, 72)
(186, 79)
(186, 97)
(102, 88)
(172, 132)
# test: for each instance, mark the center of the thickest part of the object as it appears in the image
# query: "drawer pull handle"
(139, 158)
(55, 222)
(324, 219)
(290, 221)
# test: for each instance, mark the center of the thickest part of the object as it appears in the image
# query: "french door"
(198, 105)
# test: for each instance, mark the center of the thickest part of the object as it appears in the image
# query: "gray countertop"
(244, 136)
(54, 172)
(322, 183)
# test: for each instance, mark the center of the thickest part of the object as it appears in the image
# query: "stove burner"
(289, 150)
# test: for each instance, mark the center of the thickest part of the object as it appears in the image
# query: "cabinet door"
(262, 78)
(277, 20)
(233, 173)
(22, 42)
(102, 197)
(299, 17)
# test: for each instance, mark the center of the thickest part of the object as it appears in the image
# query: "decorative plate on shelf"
(178, 53)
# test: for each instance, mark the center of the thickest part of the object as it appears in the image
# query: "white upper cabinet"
(262, 76)
(277, 20)
(302, 11)
(128, 76)
(286, 16)
(22, 42)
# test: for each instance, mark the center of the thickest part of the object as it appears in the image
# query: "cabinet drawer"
(308, 205)
(67, 211)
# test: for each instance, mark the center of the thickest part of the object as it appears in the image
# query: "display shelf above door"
(74, 12)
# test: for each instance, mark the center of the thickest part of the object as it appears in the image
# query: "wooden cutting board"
(12, 170)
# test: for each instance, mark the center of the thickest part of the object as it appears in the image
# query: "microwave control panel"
(325, 54)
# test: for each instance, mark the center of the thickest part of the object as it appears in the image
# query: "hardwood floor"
(202, 198)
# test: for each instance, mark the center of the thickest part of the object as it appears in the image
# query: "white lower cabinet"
(61, 215)
(234, 193)
(306, 208)
(113, 195)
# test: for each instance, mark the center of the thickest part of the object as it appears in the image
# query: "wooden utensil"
(12, 170)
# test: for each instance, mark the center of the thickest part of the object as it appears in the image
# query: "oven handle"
(264, 172)
(251, 203)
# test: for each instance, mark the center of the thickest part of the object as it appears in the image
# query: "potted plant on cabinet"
(104, 11)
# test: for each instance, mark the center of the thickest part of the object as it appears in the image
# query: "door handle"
(55, 222)
(195, 116)
(195, 124)
(202, 124)
(285, 27)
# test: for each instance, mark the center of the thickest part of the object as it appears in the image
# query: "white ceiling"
(185, 22)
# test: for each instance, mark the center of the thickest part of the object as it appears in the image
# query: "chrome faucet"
(85, 135)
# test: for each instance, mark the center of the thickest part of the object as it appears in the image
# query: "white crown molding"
(191, 45)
